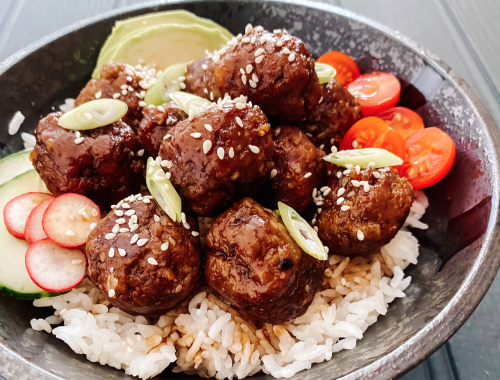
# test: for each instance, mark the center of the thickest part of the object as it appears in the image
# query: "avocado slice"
(166, 45)
(132, 26)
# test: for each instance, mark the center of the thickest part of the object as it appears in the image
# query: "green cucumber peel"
(363, 157)
(325, 72)
(303, 234)
(94, 114)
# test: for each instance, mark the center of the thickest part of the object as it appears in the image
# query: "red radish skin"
(54, 268)
(34, 229)
(17, 211)
(68, 219)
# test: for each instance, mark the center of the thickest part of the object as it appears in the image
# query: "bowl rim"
(448, 321)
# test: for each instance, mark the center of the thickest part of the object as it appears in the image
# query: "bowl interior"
(462, 208)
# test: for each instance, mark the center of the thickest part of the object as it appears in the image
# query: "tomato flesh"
(376, 92)
(430, 154)
(403, 120)
(347, 70)
(373, 132)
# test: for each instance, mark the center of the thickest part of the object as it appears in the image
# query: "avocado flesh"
(166, 45)
(132, 26)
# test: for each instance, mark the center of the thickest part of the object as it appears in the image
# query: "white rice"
(207, 337)
(68, 105)
(29, 140)
(15, 123)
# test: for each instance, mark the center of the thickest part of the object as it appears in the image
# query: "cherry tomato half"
(373, 132)
(375, 92)
(402, 120)
(346, 68)
(430, 154)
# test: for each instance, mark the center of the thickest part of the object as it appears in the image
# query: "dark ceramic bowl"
(458, 259)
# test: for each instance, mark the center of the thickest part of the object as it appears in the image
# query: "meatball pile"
(363, 210)
(221, 155)
(144, 261)
(256, 266)
(103, 163)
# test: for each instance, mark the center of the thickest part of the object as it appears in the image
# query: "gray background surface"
(464, 33)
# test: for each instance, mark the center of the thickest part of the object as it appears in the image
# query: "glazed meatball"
(336, 113)
(156, 123)
(145, 262)
(274, 70)
(124, 82)
(195, 78)
(374, 205)
(100, 163)
(252, 261)
(299, 168)
(219, 156)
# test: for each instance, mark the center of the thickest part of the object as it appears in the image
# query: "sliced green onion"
(325, 72)
(163, 191)
(303, 234)
(94, 114)
(186, 102)
(363, 157)
(166, 83)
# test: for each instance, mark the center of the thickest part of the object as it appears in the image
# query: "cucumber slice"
(14, 277)
(166, 84)
(163, 191)
(186, 102)
(363, 157)
(325, 72)
(15, 164)
(303, 234)
(93, 114)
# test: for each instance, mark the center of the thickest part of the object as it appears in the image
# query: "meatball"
(274, 70)
(156, 123)
(195, 78)
(299, 168)
(221, 155)
(100, 163)
(124, 82)
(252, 261)
(364, 211)
(150, 264)
(336, 113)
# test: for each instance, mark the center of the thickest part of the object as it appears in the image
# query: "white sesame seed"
(243, 79)
(240, 106)
(98, 94)
(146, 200)
(291, 58)
(255, 78)
(307, 175)
(109, 236)
(92, 226)
(354, 144)
(315, 228)
(186, 225)
(259, 59)
(357, 168)
(123, 230)
(134, 239)
(79, 140)
(156, 218)
(245, 40)
(70, 233)
(238, 121)
(140, 152)
(208, 127)
(120, 221)
(116, 95)
(164, 246)
(348, 166)
(183, 217)
(86, 215)
(111, 293)
(340, 192)
(254, 149)
(249, 69)
(231, 152)
(191, 114)
(168, 135)
(124, 92)
(345, 208)
(340, 200)
(258, 52)
(77, 134)
(285, 50)
(196, 135)
(152, 261)
(142, 103)
(252, 83)
(347, 172)
(355, 183)
(134, 218)
(111, 252)
(129, 212)
(129, 78)
(320, 100)
(248, 29)
(339, 174)
(366, 187)
(319, 203)
(195, 233)
(220, 152)
(125, 205)
(327, 192)
(134, 228)
(242, 71)
(161, 109)
(122, 252)
(360, 235)
(253, 40)
(279, 43)
(115, 229)
(273, 173)
(207, 145)
(76, 261)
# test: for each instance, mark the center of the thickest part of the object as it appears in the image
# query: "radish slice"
(17, 211)
(34, 229)
(68, 219)
(54, 268)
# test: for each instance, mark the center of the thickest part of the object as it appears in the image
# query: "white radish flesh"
(34, 229)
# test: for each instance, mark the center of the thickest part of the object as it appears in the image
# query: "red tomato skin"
(403, 120)
(376, 92)
(347, 69)
(434, 137)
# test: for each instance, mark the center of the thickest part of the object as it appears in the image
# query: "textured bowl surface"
(458, 259)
